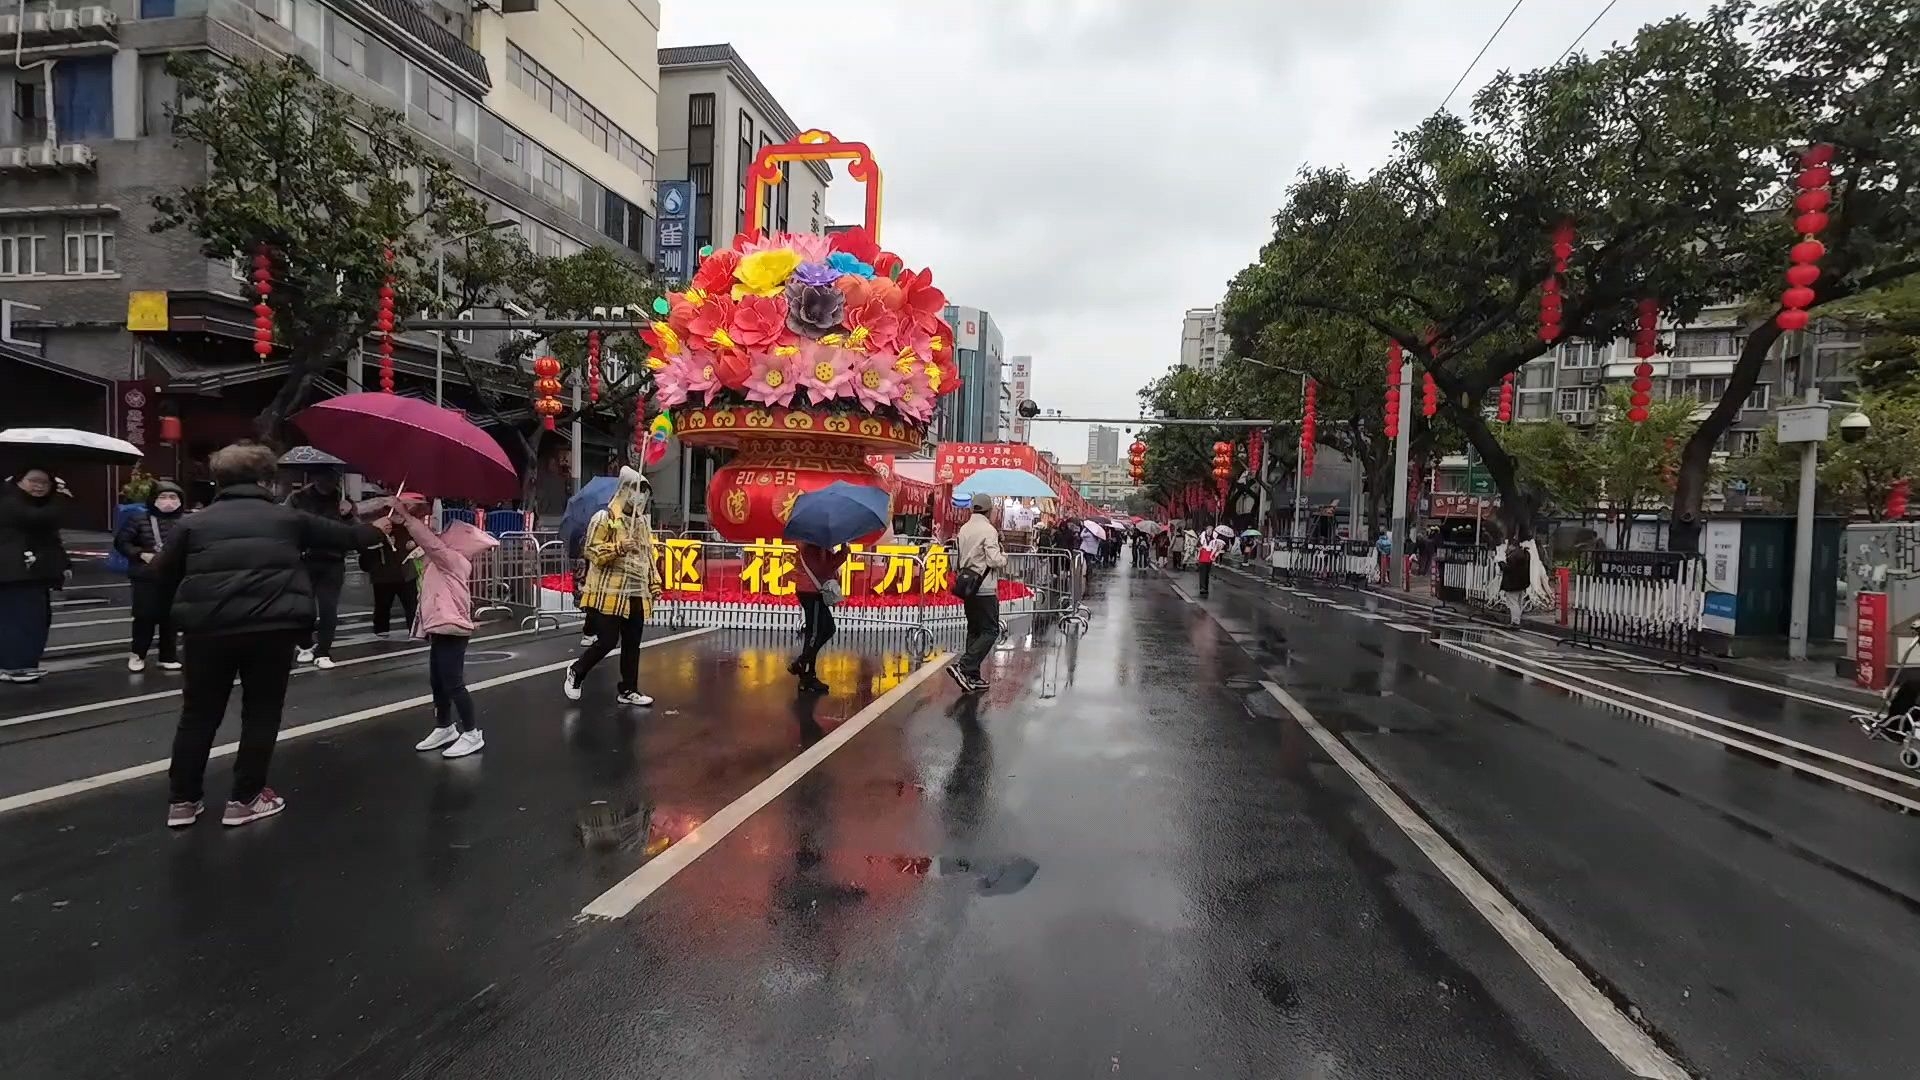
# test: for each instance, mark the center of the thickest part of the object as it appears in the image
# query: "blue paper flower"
(848, 264)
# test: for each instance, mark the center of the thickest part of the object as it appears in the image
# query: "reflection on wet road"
(1131, 856)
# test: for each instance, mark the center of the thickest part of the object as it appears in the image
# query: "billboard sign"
(673, 238)
(1021, 386)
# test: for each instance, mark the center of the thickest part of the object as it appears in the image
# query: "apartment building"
(547, 112)
(1104, 483)
(1103, 445)
(1202, 344)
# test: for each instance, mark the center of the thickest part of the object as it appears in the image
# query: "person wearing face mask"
(620, 586)
(326, 567)
(140, 540)
(33, 563)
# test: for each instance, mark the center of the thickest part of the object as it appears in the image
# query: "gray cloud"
(1086, 170)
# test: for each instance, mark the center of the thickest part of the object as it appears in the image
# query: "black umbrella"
(307, 457)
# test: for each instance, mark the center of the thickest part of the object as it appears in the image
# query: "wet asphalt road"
(1123, 860)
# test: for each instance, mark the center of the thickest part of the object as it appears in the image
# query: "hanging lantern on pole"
(1393, 390)
(1550, 307)
(1646, 342)
(546, 390)
(1309, 420)
(1810, 220)
(1137, 461)
(593, 366)
(1223, 467)
(1506, 398)
(262, 311)
(1429, 395)
(383, 323)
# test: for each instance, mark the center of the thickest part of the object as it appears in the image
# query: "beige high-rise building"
(1202, 344)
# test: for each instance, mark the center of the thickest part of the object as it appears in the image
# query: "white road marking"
(1368, 615)
(1410, 629)
(1629, 1045)
(102, 643)
(151, 768)
(75, 710)
(1693, 729)
(631, 891)
(79, 601)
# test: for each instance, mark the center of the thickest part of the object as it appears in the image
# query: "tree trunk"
(1696, 457)
(1516, 508)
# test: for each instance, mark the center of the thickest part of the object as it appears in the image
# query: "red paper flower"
(680, 312)
(713, 317)
(888, 265)
(716, 272)
(758, 322)
(733, 367)
(872, 327)
(857, 242)
(861, 291)
(924, 302)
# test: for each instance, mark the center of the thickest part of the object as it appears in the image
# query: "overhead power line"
(1590, 26)
(1483, 51)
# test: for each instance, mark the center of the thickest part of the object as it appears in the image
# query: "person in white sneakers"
(620, 587)
(140, 540)
(445, 620)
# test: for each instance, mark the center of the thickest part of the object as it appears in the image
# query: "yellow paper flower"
(785, 350)
(654, 363)
(721, 338)
(858, 339)
(668, 338)
(764, 273)
(933, 377)
(695, 297)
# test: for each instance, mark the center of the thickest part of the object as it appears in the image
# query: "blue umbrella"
(838, 513)
(592, 498)
(1012, 483)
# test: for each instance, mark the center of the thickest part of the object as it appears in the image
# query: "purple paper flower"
(816, 273)
(814, 310)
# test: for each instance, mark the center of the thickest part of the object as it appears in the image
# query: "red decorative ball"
(1643, 385)
(263, 348)
(547, 367)
(262, 263)
(1802, 274)
(1797, 297)
(386, 351)
(1808, 201)
(1810, 223)
(1549, 331)
(1637, 415)
(261, 333)
(1818, 176)
(1792, 319)
(1817, 154)
(1643, 370)
(1807, 251)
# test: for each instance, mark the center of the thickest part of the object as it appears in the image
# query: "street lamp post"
(1397, 572)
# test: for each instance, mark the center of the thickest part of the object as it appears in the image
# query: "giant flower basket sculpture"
(803, 353)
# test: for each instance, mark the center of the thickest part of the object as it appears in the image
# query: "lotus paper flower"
(809, 246)
(764, 273)
(814, 310)
(915, 396)
(925, 302)
(759, 322)
(847, 264)
(857, 242)
(702, 375)
(871, 328)
(874, 381)
(825, 371)
(670, 382)
(862, 291)
(815, 273)
(734, 368)
(716, 271)
(774, 379)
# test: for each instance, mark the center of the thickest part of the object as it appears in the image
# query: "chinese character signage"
(768, 568)
(673, 241)
(1022, 387)
(954, 462)
(133, 402)
(1870, 645)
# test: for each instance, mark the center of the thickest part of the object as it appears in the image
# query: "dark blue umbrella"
(838, 513)
(592, 498)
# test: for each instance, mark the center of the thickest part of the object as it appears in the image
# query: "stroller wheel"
(1910, 756)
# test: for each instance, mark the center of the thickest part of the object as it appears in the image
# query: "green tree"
(302, 170)
(1616, 464)
(1852, 477)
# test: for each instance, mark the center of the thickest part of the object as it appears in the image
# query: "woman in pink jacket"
(445, 620)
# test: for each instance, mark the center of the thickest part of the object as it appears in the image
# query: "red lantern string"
(593, 366)
(262, 311)
(1393, 390)
(546, 389)
(1897, 500)
(1506, 398)
(1550, 307)
(1309, 420)
(639, 428)
(1646, 342)
(1810, 220)
(1429, 395)
(383, 322)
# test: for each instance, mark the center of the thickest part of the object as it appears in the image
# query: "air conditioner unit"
(33, 22)
(96, 16)
(1586, 418)
(76, 154)
(13, 157)
(1677, 369)
(58, 19)
(1589, 376)
(1569, 417)
(42, 156)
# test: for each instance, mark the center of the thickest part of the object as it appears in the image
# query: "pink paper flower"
(825, 371)
(703, 373)
(670, 382)
(774, 380)
(874, 381)
(916, 396)
(809, 247)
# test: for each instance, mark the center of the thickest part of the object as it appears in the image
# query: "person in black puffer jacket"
(240, 593)
(391, 576)
(33, 563)
(1516, 577)
(140, 540)
(327, 569)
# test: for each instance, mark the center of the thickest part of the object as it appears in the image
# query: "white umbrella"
(67, 446)
(1225, 532)
(1150, 528)
(1098, 532)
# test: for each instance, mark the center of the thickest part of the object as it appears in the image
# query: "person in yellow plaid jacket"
(620, 586)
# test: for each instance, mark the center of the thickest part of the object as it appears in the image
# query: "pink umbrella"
(400, 440)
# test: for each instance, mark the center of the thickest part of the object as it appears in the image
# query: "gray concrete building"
(1202, 343)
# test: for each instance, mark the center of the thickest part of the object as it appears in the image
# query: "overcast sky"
(1086, 170)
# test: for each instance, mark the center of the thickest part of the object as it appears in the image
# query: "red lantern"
(170, 431)
(1645, 344)
(546, 367)
(1506, 398)
(1394, 360)
(262, 313)
(383, 324)
(1897, 500)
(1816, 176)
(593, 366)
(1429, 395)
(546, 389)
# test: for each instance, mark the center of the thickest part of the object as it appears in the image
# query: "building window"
(1757, 401)
(1707, 390)
(1694, 343)
(465, 337)
(555, 96)
(83, 98)
(1579, 354)
(156, 9)
(740, 165)
(1579, 398)
(280, 11)
(1535, 406)
(23, 248)
(700, 153)
(90, 246)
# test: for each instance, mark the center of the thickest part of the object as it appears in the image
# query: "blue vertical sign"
(673, 245)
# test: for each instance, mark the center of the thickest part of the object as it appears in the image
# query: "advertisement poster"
(1722, 547)
(1870, 640)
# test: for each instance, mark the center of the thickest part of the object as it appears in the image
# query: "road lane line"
(1660, 718)
(107, 642)
(1409, 629)
(1629, 1045)
(1805, 748)
(114, 703)
(631, 891)
(135, 772)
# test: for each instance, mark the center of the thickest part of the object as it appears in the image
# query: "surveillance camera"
(1029, 409)
(1855, 427)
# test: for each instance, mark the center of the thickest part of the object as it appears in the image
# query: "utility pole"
(1397, 571)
